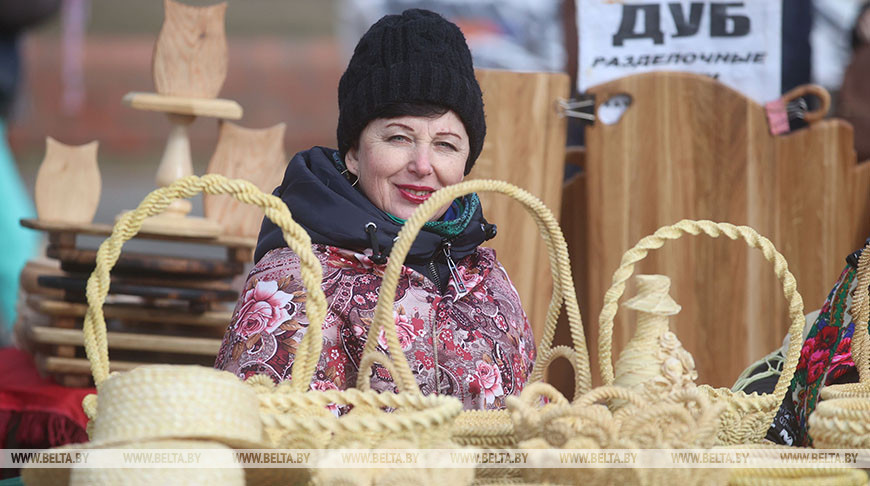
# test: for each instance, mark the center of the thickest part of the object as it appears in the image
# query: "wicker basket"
(833, 476)
(483, 428)
(683, 419)
(292, 415)
(841, 423)
(748, 416)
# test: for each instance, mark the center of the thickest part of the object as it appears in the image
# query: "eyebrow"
(406, 127)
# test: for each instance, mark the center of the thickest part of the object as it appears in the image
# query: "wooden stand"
(176, 162)
(189, 67)
(160, 309)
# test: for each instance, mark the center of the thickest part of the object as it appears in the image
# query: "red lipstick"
(405, 192)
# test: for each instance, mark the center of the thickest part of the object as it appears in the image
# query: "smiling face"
(401, 161)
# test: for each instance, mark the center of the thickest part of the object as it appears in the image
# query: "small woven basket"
(748, 416)
(293, 416)
(683, 419)
(841, 423)
(485, 428)
(830, 476)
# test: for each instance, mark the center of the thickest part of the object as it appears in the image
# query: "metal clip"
(581, 108)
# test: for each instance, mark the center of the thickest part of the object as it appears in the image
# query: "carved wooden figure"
(653, 360)
(190, 57)
(256, 155)
(189, 66)
(68, 183)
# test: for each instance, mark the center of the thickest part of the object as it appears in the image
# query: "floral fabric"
(826, 353)
(486, 349)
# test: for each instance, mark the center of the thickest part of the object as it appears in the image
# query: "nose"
(421, 162)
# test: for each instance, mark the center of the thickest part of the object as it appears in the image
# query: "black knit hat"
(420, 57)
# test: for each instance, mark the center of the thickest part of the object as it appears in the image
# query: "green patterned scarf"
(465, 208)
(454, 227)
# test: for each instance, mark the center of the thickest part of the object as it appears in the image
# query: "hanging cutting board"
(690, 147)
(525, 145)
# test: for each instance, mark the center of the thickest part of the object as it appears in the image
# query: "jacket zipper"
(461, 290)
(454, 271)
(434, 269)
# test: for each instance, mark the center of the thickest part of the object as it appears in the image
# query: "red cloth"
(46, 414)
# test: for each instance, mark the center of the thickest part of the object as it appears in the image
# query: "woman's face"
(401, 161)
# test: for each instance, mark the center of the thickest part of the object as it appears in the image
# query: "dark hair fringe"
(406, 108)
(410, 108)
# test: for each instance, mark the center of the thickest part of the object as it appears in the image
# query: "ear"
(351, 160)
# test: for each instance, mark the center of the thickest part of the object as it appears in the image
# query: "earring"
(345, 173)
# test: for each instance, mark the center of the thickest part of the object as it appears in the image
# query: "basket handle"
(130, 223)
(563, 284)
(370, 360)
(710, 228)
(860, 336)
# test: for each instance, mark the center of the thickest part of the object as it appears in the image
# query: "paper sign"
(738, 43)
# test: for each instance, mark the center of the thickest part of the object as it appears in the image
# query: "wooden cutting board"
(525, 145)
(690, 147)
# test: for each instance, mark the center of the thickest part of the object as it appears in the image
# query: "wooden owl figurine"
(190, 56)
(256, 155)
(68, 183)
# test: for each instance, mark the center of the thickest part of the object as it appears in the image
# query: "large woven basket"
(748, 416)
(293, 416)
(482, 428)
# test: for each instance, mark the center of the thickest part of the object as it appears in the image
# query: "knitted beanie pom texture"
(415, 57)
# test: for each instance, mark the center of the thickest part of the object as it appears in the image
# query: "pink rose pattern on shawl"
(490, 381)
(486, 347)
(264, 308)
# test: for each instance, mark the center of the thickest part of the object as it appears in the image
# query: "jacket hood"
(335, 213)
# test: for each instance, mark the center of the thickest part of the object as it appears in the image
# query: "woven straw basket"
(683, 419)
(230, 475)
(482, 428)
(292, 416)
(797, 476)
(832, 476)
(747, 416)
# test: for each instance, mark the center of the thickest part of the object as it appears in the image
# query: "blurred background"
(284, 65)
(285, 58)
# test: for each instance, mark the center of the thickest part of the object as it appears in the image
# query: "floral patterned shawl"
(486, 349)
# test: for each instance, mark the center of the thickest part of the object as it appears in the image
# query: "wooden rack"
(160, 309)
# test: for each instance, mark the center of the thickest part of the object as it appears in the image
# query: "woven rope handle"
(366, 364)
(710, 228)
(156, 202)
(860, 336)
(563, 284)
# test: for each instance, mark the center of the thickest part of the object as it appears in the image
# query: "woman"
(825, 359)
(411, 121)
